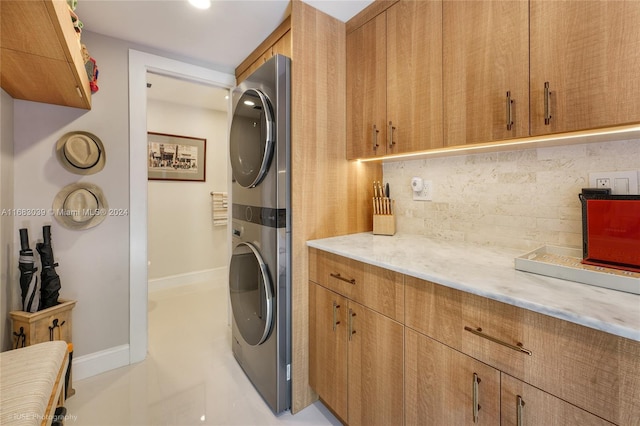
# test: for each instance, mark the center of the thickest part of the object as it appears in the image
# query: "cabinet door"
(486, 56)
(366, 90)
(446, 387)
(328, 347)
(589, 53)
(375, 368)
(266, 55)
(524, 405)
(283, 45)
(414, 76)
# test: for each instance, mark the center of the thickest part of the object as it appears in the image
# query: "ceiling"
(218, 38)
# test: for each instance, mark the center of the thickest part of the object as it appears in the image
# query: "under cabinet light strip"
(586, 136)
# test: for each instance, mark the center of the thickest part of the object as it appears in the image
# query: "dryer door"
(251, 294)
(252, 138)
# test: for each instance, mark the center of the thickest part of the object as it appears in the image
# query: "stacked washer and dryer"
(259, 270)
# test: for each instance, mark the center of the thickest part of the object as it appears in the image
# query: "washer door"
(251, 294)
(252, 138)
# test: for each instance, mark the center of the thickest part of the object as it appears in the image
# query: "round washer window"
(251, 294)
(251, 138)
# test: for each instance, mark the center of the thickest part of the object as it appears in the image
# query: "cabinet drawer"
(594, 370)
(376, 288)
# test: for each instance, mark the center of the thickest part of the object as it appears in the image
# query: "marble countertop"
(489, 271)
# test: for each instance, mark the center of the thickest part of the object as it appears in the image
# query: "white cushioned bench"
(31, 383)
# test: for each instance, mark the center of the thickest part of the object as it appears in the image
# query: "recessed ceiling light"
(201, 4)
(250, 103)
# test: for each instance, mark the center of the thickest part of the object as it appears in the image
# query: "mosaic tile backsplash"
(519, 199)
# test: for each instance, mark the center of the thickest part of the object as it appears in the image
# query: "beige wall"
(520, 199)
(181, 235)
(9, 287)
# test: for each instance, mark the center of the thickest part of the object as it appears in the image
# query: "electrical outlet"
(427, 192)
(621, 183)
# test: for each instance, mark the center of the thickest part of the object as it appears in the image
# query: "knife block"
(384, 224)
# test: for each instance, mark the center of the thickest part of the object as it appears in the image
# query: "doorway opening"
(188, 121)
(140, 64)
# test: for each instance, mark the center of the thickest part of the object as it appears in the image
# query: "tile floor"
(189, 377)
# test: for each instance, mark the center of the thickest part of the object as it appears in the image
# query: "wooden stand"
(384, 224)
(49, 324)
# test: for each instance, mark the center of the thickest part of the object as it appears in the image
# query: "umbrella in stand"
(28, 277)
(49, 279)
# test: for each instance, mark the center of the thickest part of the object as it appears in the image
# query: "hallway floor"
(189, 377)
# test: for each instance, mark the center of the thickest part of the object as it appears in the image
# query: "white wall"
(9, 287)
(93, 263)
(520, 199)
(181, 235)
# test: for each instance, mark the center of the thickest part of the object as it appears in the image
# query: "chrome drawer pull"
(340, 277)
(391, 129)
(547, 108)
(509, 114)
(375, 138)
(519, 410)
(478, 332)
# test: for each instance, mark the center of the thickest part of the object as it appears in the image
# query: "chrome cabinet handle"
(478, 332)
(351, 330)
(509, 114)
(520, 406)
(391, 129)
(375, 138)
(340, 277)
(547, 108)
(476, 390)
(335, 315)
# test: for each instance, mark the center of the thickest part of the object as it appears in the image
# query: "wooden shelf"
(41, 54)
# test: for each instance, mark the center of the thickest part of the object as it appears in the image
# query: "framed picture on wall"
(173, 157)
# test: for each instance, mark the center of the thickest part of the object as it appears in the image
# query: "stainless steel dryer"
(259, 270)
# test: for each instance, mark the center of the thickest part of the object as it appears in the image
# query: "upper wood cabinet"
(41, 54)
(367, 90)
(589, 54)
(394, 81)
(278, 42)
(486, 70)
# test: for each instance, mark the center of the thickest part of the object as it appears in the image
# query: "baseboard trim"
(99, 362)
(206, 275)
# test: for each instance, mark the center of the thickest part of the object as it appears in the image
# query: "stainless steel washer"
(259, 270)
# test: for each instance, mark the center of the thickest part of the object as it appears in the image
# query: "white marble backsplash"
(519, 199)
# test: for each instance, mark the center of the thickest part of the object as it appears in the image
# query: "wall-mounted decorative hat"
(80, 206)
(81, 153)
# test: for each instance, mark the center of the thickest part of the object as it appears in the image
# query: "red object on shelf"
(613, 233)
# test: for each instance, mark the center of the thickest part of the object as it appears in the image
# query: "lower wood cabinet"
(524, 405)
(387, 349)
(355, 359)
(328, 347)
(446, 387)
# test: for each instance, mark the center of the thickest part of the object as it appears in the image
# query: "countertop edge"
(580, 319)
